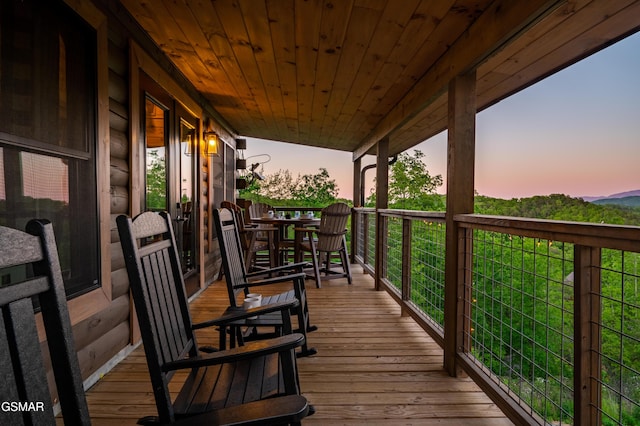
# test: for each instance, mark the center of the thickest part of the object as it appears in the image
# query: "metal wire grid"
(520, 320)
(394, 252)
(427, 269)
(360, 234)
(372, 240)
(619, 329)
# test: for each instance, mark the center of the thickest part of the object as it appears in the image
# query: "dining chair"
(323, 241)
(285, 244)
(258, 209)
(255, 239)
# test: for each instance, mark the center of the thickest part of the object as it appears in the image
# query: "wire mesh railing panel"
(371, 240)
(520, 316)
(394, 252)
(360, 234)
(427, 269)
(619, 330)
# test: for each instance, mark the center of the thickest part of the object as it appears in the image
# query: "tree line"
(412, 187)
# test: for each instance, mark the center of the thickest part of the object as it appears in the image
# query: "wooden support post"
(382, 202)
(357, 168)
(406, 263)
(365, 239)
(586, 288)
(357, 165)
(460, 191)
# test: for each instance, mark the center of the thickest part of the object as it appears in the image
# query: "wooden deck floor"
(373, 367)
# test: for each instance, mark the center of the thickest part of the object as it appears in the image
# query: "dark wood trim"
(86, 305)
(413, 214)
(357, 176)
(460, 193)
(406, 260)
(588, 234)
(357, 167)
(382, 202)
(587, 334)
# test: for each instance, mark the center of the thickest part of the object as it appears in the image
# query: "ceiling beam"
(503, 21)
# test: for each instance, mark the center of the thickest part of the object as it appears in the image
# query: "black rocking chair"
(254, 384)
(29, 262)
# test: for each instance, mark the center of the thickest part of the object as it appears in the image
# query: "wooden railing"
(548, 312)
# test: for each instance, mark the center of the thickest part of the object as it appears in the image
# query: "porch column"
(357, 169)
(357, 166)
(460, 190)
(382, 202)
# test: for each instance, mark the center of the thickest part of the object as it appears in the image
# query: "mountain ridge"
(633, 193)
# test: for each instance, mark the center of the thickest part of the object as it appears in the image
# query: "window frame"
(98, 299)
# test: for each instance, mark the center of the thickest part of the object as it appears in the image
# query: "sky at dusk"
(575, 133)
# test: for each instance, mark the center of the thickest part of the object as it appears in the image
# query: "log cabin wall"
(103, 335)
(110, 332)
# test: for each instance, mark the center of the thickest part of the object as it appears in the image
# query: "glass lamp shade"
(211, 144)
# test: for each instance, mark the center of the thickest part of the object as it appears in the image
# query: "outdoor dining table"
(282, 243)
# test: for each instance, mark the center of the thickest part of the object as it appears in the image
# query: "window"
(230, 172)
(48, 106)
(156, 156)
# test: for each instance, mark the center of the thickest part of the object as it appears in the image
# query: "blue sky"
(575, 133)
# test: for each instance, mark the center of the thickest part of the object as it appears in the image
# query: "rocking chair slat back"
(232, 254)
(159, 295)
(30, 261)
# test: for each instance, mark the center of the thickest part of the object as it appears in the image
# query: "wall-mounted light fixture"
(211, 143)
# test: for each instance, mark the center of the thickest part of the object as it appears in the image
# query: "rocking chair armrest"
(293, 266)
(273, 280)
(250, 350)
(235, 314)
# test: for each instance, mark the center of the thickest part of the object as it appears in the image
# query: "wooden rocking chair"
(254, 384)
(331, 238)
(239, 282)
(30, 261)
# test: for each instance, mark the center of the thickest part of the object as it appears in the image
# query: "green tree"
(280, 188)
(411, 186)
(317, 189)
(277, 186)
(156, 181)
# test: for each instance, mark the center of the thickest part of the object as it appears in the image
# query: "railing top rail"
(413, 214)
(408, 214)
(592, 234)
(364, 209)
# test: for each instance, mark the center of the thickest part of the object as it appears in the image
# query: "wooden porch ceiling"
(342, 74)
